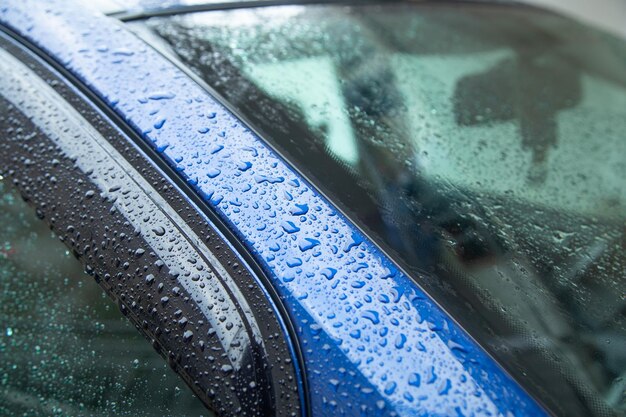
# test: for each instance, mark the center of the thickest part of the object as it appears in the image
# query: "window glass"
(65, 348)
(482, 146)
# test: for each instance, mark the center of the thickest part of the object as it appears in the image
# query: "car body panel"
(166, 264)
(373, 342)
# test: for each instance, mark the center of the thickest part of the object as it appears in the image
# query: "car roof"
(349, 301)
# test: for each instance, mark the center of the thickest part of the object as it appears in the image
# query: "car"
(311, 209)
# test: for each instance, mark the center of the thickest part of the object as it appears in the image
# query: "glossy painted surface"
(143, 246)
(373, 343)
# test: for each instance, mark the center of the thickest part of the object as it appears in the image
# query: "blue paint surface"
(373, 342)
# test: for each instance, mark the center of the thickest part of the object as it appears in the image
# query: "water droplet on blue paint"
(299, 209)
(307, 243)
(244, 166)
(213, 172)
(161, 95)
(328, 273)
(289, 227)
(372, 316)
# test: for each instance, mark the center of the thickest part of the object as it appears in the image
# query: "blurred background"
(607, 14)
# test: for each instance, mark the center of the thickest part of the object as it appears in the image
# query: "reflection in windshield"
(510, 91)
(483, 146)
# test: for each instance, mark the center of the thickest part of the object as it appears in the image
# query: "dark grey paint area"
(153, 252)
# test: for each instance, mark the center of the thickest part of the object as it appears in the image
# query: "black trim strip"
(231, 5)
(129, 16)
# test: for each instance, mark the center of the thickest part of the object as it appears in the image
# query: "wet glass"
(65, 348)
(483, 146)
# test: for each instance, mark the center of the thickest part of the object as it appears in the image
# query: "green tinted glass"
(65, 349)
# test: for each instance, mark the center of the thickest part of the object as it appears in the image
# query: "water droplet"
(213, 172)
(372, 316)
(400, 341)
(307, 243)
(356, 240)
(444, 387)
(414, 380)
(159, 123)
(216, 148)
(390, 387)
(266, 178)
(161, 95)
(244, 166)
(328, 273)
(123, 52)
(299, 209)
(356, 334)
(431, 376)
(293, 262)
(289, 227)
(315, 328)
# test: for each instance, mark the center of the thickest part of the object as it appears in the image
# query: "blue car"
(310, 208)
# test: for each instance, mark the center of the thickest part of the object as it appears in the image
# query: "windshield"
(482, 146)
